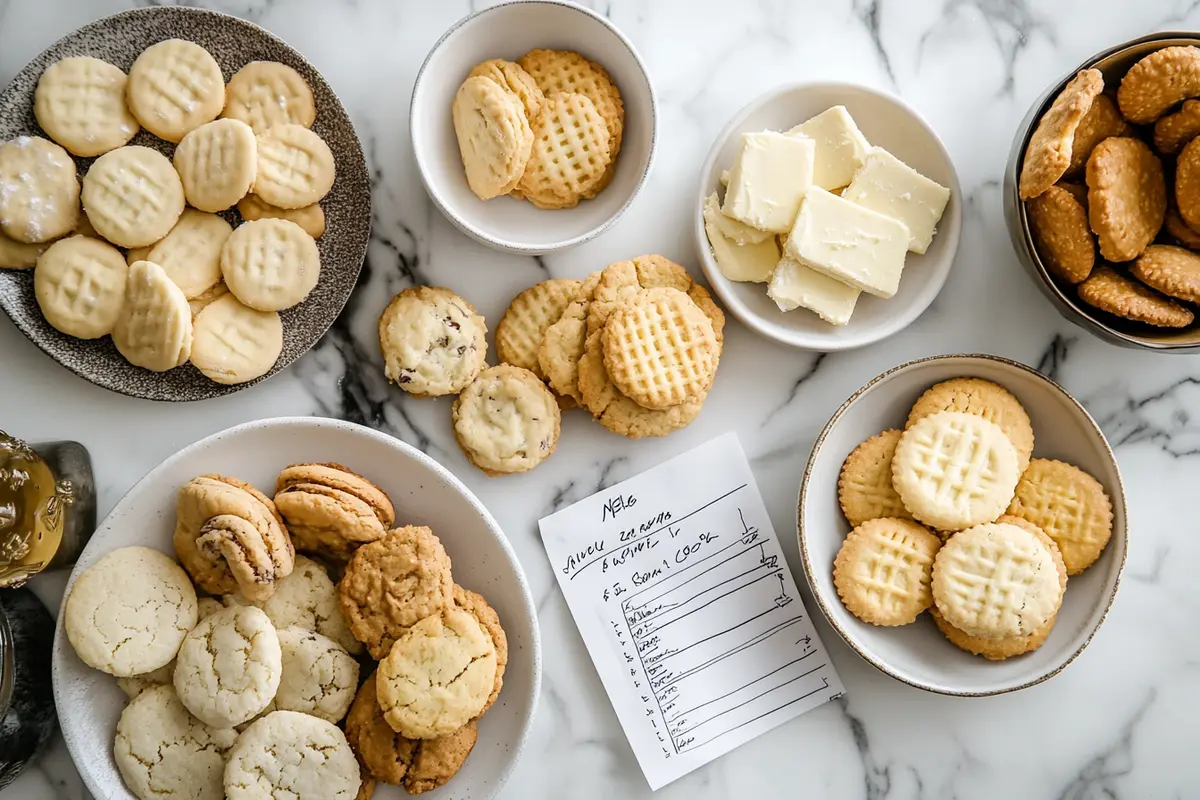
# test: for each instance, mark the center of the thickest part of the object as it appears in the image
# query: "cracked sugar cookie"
(217, 163)
(130, 627)
(475, 605)
(506, 420)
(292, 755)
(39, 191)
(174, 87)
(264, 94)
(80, 103)
(295, 167)
(318, 677)
(433, 341)
(132, 196)
(136, 684)
(270, 264)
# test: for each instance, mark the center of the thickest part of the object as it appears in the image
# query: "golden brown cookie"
(1100, 122)
(515, 79)
(507, 421)
(865, 488)
(1127, 197)
(393, 583)
(1116, 294)
(571, 152)
(521, 331)
(1049, 152)
(1173, 271)
(624, 280)
(339, 477)
(328, 522)
(992, 649)
(1059, 224)
(1178, 230)
(564, 341)
(1175, 130)
(883, 571)
(1159, 81)
(984, 399)
(475, 605)
(1187, 184)
(1070, 506)
(1078, 191)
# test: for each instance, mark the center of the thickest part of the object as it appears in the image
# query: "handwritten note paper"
(677, 583)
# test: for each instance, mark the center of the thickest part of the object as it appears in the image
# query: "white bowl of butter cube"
(828, 216)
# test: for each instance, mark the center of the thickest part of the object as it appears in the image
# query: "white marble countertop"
(1121, 722)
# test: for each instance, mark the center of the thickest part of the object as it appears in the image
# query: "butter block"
(848, 242)
(771, 174)
(886, 184)
(747, 261)
(739, 232)
(841, 147)
(794, 285)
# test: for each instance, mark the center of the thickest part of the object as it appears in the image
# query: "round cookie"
(1173, 131)
(154, 329)
(1174, 271)
(295, 167)
(392, 584)
(475, 605)
(310, 218)
(565, 340)
(1070, 506)
(1112, 292)
(270, 264)
(136, 684)
(511, 76)
(623, 281)
(494, 136)
(1127, 197)
(39, 191)
(1177, 229)
(437, 676)
(1101, 121)
(130, 627)
(174, 87)
(264, 94)
(318, 677)
(19, 255)
(1059, 224)
(229, 666)
(1159, 81)
(164, 753)
(1187, 184)
(191, 253)
(433, 341)
(1048, 154)
(984, 399)
(217, 163)
(865, 488)
(883, 571)
(233, 343)
(992, 649)
(80, 286)
(80, 103)
(523, 327)
(506, 420)
(132, 196)
(337, 476)
(570, 154)
(328, 521)
(292, 755)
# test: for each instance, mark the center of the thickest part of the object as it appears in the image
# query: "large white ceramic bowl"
(509, 31)
(887, 122)
(424, 493)
(918, 654)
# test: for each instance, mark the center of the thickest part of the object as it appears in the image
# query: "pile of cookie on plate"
(188, 286)
(1120, 172)
(953, 515)
(243, 665)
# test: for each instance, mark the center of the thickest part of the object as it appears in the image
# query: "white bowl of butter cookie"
(828, 216)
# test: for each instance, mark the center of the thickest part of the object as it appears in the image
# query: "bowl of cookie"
(1102, 193)
(533, 125)
(319, 610)
(962, 525)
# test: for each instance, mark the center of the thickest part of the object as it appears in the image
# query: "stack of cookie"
(189, 286)
(546, 128)
(1097, 175)
(954, 515)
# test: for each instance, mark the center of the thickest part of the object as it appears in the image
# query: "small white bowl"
(509, 31)
(424, 493)
(918, 654)
(886, 121)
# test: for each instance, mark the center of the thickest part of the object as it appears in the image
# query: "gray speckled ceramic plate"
(233, 42)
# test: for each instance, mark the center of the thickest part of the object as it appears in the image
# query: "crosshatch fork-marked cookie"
(270, 264)
(571, 151)
(80, 103)
(883, 570)
(865, 488)
(154, 330)
(1070, 506)
(132, 196)
(217, 164)
(191, 253)
(506, 421)
(494, 137)
(985, 399)
(433, 341)
(999, 579)
(954, 470)
(233, 343)
(264, 94)
(79, 284)
(174, 87)
(295, 167)
(523, 327)
(39, 193)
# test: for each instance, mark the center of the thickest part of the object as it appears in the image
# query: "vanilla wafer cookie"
(217, 163)
(191, 253)
(295, 167)
(132, 196)
(1070, 506)
(154, 330)
(516, 80)
(80, 103)
(79, 284)
(953, 470)
(494, 137)
(506, 420)
(883, 570)
(310, 218)
(523, 327)
(992, 649)
(865, 488)
(998, 579)
(570, 152)
(564, 342)
(984, 399)
(39, 193)
(270, 264)
(264, 94)
(233, 343)
(433, 341)
(174, 87)
(660, 349)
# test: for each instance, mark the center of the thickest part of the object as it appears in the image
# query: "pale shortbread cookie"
(228, 667)
(264, 94)
(217, 163)
(80, 103)
(521, 331)
(233, 343)
(130, 627)
(883, 570)
(138, 253)
(80, 286)
(154, 330)
(174, 87)
(295, 167)
(294, 756)
(1070, 506)
(132, 196)
(515, 79)
(433, 341)
(564, 342)
(494, 136)
(310, 218)
(203, 301)
(984, 399)
(437, 676)
(953, 470)
(318, 678)
(506, 420)
(998, 579)
(270, 264)
(164, 753)
(39, 191)
(570, 153)
(136, 684)
(19, 255)
(865, 488)
(191, 253)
